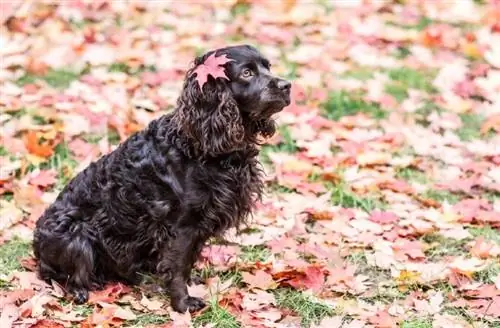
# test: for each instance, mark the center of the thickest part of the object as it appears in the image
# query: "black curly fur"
(150, 205)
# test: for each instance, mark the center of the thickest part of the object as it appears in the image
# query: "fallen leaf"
(260, 279)
(151, 305)
(211, 66)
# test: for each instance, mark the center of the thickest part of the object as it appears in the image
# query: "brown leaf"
(261, 280)
(151, 305)
(46, 323)
(109, 294)
(491, 123)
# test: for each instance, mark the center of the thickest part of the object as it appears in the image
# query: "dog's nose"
(284, 84)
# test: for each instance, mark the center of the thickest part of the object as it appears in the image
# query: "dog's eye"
(247, 73)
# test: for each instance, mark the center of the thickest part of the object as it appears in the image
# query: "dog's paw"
(190, 303)
(80, 296)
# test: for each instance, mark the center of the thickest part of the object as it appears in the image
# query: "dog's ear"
(210, 117)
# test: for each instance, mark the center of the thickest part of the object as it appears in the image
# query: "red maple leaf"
(211, 66)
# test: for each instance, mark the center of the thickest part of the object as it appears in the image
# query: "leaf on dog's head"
(211, 66)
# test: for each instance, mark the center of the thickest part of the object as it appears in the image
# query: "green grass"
(471, 125)
(309, 310)
(3, 151)
(419, 26)
(57, 78)
(442, 246)
(258, 253)
(113, 137)
(441, 196)
(62, 162)
(417, 323)
(240, 9)
(397, 90)
(341, 103)
(487, 232)
(124, 68)
(11, 253)
(361, 73)
(489, 274)
(407, 78)
(411, 174)
(146, 319)
(287, 144)
(425, 110)
(217, 317)
(402, 52)
(348, 199)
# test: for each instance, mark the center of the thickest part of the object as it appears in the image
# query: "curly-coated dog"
(151, 204)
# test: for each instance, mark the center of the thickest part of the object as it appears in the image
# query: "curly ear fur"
(210, 119)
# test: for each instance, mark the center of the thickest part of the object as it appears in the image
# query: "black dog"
(150, 205)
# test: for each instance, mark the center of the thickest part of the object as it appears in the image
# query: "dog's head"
(221, 114)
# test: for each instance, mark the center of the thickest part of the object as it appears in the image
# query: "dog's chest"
(230, 190)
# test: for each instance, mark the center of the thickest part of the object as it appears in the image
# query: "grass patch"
(92, 138)
(63, 163)
(487, 232)
(341, 103)
(287, 144)
(397, 90)
(417, 323)
(357, 258)
(441, 196)
(217, 317)
(409, 78)
(11, 253)
(310, 310)
(113, 137)
(258, 253)
(361, 73)
(440, 246)
(419, 26)
(124, 68)
(57, 78)
(411, 174)
(489, 274)
(402, 52)
(425, 110)
(346, 198)
(146, 319)
(209, 271)
(240, 8)
(3, 151)
(471, 125)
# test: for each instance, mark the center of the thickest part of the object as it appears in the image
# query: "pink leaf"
(383, 217)
(44, 178)
(211, 66)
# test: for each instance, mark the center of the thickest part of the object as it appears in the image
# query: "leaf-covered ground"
(382, 206)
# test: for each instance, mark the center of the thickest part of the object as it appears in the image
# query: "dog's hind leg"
(68, 259)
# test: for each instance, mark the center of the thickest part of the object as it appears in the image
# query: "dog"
(152, 203)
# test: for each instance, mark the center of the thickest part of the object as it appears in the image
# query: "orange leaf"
(491, 123)
(34, 147)
(109, 294)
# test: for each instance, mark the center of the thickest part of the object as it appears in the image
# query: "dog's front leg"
(175, 267)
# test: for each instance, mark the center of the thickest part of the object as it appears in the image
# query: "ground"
(382, 204)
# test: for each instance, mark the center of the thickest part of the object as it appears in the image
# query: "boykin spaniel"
(151, 204)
